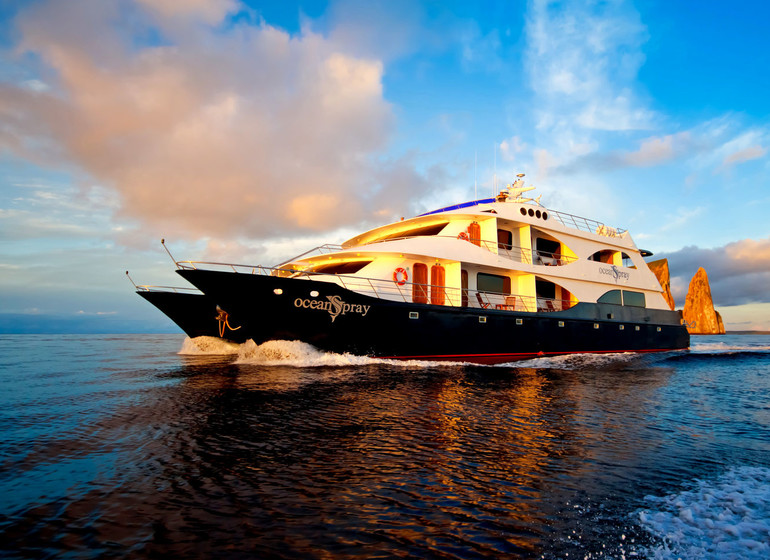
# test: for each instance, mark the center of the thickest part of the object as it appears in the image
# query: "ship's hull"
(195, 314)
(335, 319)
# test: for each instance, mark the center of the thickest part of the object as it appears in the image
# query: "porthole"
(622, 327)
(482, 319)
(314, 293)
(659, 329)
(523, 211)
(545, 215)
(278, 291)
(531, 212)
(637, 328)
(537, 213)
(596, 325)
(519, 321)
(414, 315)
(561, 323)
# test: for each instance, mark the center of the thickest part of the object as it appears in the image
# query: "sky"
(248, 131)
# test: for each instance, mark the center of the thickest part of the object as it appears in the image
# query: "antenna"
(475, 177)
(494, 177)
(163, 242)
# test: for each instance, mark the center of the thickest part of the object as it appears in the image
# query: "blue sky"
(251, 131)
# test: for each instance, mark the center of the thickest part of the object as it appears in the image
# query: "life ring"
(400, 276)
(463, 235)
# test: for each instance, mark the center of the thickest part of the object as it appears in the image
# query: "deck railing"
(585, 224)
(175, 289)
(407, 292)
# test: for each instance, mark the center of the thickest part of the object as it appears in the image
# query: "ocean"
(153, 446)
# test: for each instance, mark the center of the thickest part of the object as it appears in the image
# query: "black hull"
(195, 314)
(334, 319)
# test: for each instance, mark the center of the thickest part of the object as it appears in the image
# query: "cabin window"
(420, 283)
(504, 239)
(627, 262)
(604, 256)
(341, 267)
(613, 297)
(633, 299)
(433, 229)
(493, 283)
(548, 251)
(437, 282)
(545, 289)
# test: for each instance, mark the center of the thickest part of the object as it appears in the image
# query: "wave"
(724, 518)
(208, 346)
(301, 354)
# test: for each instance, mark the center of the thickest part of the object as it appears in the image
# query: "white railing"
(407, 292)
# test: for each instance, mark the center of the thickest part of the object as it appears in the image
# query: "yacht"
(487, 281)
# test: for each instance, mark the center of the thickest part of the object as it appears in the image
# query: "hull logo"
(335, 306)
(615, 272)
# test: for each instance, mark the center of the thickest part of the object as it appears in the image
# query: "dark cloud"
(739, 272)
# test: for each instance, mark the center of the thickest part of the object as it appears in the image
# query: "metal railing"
(408, 292)
(585, 224)
(175, 289)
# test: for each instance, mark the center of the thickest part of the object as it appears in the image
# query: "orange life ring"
(400, 276)
(463, 235)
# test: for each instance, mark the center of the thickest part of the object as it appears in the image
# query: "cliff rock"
(699, 307)
(660, 269)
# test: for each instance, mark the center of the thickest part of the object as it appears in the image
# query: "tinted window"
(493, 283)
(634, 299)
(613, 296)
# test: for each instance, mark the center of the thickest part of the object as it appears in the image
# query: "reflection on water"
(200, 455)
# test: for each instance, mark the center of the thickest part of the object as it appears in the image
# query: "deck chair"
(483, 304)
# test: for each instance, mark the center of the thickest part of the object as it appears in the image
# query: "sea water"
(161, 446)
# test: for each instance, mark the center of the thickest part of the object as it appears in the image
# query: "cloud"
(202, 130)
(746, 154)
(582, 63)
(739, 272)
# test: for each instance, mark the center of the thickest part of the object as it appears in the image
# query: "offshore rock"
(699, 307)
(660, 269)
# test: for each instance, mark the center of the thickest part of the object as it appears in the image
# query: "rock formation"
(699, 307)
(660, 269)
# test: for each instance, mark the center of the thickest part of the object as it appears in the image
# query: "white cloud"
(208, 133)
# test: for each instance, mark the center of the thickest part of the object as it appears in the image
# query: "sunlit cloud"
(203, 133)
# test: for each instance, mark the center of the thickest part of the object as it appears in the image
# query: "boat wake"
(208, 346)
(724, 518)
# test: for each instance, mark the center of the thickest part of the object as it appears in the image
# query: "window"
(341, 267)
(613, 297)
(420, 281)
(493, 283)
(432, 229)
(633, 299)
(604, 256)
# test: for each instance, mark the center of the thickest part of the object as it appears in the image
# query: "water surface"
(116, 446)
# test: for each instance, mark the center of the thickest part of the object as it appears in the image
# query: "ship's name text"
(335, 306)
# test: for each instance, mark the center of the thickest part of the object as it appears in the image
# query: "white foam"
(726, 518)
(300, 354)
(208, 346)
(711, 347)
(577, 361)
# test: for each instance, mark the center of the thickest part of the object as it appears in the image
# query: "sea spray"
(726, 518)
(208, 346)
